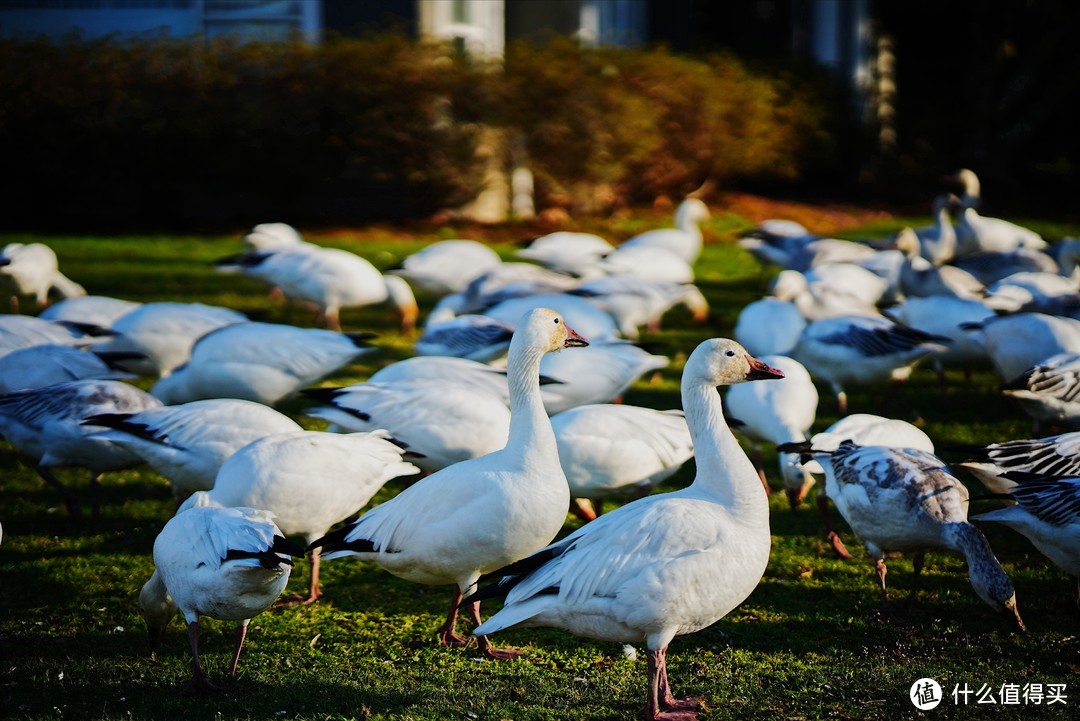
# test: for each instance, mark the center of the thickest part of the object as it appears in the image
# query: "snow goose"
(851, 349)
(1049, 391)
(1047, 512)
(595, 322)
(864, 429)
(648, 263)
(45, 365)
(273, 236)
(98, 310)
(1021, 290)
(769, 326)
(328, 278)
(479, 515)
(830, 290)
(447, 370)
(905, 499)
(920, 278)
(945, 316)
(310, 480)
(165, 332)
(1019, 341)
(475, 337)
(937, 243)
(600, 373)
(226, 563)
(261, 362)
(775, 413)
(665, 565)
(45, 424)
(26, 331)
(635, 302)
(614, 450)
(34, 270)
(187, 443)
(447, 266)
(684, 240)
(567, 252)
(511, 280)
(989, 268)
(776, 242)
(1053, 456)
(445, 423)
(976, 233)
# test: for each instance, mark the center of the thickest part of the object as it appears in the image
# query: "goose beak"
(573, 339)
(760, 371)
(1014, 615)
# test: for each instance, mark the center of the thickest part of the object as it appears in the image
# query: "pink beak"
(760, 372)
(573, 339)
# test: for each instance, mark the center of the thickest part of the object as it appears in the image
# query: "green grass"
(808, 643)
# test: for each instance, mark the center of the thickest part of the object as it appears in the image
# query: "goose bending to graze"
(1049, 391)
(1047, 512)
(508, 281)
(777, 413)
(600, 373)
(187, 443)
(226, 563)
(261, 362)
(475, 337)
(448, 371)
(310, 480)
(567, 252)
(45, 365)
(33, 269)
(769, 326)
(98, 310)
(45, 424)
(446, 424)
(612, 450)
(165, 333)
(830, 290)
(595, 322)
(863, 429)
(1018, 342)
(665, 565)
(26, 331)
(479, 515)
(634, 302)
(447, 266)
(851, 349)
(684, 240)
(330, 279)
(905, 499)
(1053, 456)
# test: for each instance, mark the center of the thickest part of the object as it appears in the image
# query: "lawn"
(808, 643)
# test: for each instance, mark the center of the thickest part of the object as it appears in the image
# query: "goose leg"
(313, 587)
(830, 533)
(200, 684)
(70, 501)
(95, 496)
(241, 634)
(917, 566)
(447, 635)
(661, 705)
(499, 654)
(841, 402)
(886, 609)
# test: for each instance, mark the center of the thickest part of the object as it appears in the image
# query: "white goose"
(945, 316)
(1049, 391)
(34, 270)
(45, 424)
(449, 371)
(1053, 456)
(188, 443)
(309, 481)
(330, 279)
(920, 278)
(165, 332)
(990, 268)
(937, 243)
(1018, 342)
(482, 514)
(567, 252)
(447, 266)
(851, 349)
(595, 322)
(684, 240)
(614, 450)
(635, 302)
(445, 423)
(600, 373)
(226, 563)
(1026, 289)
(45, 365)
(905, 499)
(648, 263)
(775, 413)
(1047, 512)
(273, 236)
(261, 362)
(769, 326)
(507, 281)
(99, 310)
(26, 331)
(475, 337)
(976, 233)
(665, 565)
(830, 290)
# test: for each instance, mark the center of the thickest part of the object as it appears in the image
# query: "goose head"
(724, 362)
(788, 284)
(996, 590)
(691, 211)
(545, 329)
(157, 609)
(967, 182)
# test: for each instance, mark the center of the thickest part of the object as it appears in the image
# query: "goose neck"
(530, 429)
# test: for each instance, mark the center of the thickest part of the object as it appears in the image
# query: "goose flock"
(509, 415)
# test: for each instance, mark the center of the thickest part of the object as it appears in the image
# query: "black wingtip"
(336, 541)
(91, 329)
(323, 395)
(360, 339)
(113, 358)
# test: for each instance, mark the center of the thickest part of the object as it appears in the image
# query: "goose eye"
(730, 353)
(556, 321)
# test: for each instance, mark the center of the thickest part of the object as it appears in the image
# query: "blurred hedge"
(169, 133)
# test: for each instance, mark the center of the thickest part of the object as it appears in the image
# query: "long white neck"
(530, 429)
(724, 471)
